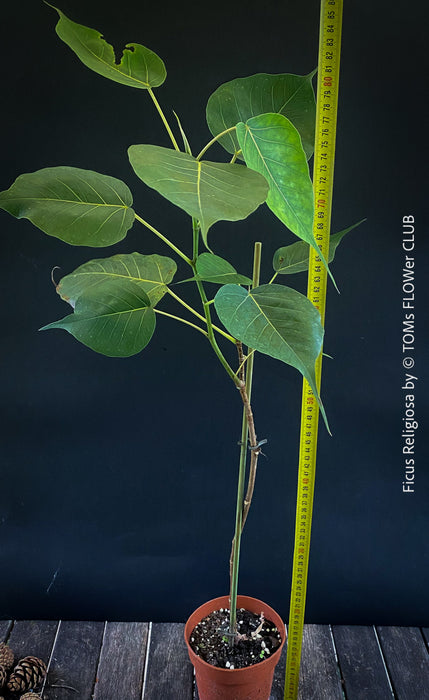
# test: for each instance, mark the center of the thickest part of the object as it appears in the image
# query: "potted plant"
(266, 125)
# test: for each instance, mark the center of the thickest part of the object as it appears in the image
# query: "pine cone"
(3, 676)
(27, 674)
(30, 696)
(7, 656)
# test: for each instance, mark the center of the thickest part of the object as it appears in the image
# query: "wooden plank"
(74, 660)
(169, 672)
(122, 661)
(33, 638)
(5, 627)
(407, 661)
(361, 663)
(320, 677)
(107, 661)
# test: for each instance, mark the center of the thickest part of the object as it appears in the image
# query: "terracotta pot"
(251, 683)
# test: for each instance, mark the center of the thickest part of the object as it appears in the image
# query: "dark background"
(118, 476)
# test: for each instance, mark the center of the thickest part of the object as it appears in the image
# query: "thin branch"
(246, 358)
(242, 360)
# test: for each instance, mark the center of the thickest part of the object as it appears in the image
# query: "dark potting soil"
(256, 640)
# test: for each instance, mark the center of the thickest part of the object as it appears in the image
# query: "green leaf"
(272, 146)
(243, 98)
(139, 67)
(80, 207)
(207, 191)
(150, 272)
(295, 257)
(275, 320)
(113, 318)
(212, 268)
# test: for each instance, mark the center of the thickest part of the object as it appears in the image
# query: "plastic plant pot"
(250, 683)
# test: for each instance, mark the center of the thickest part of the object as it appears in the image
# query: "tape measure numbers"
(324, 156)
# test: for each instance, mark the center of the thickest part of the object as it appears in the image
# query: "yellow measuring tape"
(324, 156)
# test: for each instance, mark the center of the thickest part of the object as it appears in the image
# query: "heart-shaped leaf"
(80, 207)
(151, 273)
(275, 320)
(295, 257)
(139, 67)
(212, 268)
(113, 318)
(207, 191)
(243, 98)
(272, 146)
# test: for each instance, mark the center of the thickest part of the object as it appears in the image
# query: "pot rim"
(241, 601)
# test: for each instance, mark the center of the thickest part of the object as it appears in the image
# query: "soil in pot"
(256, 640)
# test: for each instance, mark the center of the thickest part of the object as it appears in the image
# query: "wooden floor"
(145, 661)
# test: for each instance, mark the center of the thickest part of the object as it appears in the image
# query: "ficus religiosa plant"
(266, 125)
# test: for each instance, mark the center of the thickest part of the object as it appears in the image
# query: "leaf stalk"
(216, 138)
(198, 315)
(182, 320)
(164, 119)
(164, 239)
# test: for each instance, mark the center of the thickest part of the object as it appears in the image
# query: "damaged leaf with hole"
(138, 67)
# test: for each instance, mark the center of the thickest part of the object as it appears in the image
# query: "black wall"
(118, 476)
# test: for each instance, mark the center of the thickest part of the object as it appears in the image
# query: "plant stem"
(249, 380)
(202, 318)
(195, 239)
(212, 339)
(216, 138)
(163, 238)
(234, 157)
(243, 361)
(183, 320)
(245, 388)
(162, 115)
(211, 328)
(175, 296)
(247, 428)
(235, 562)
